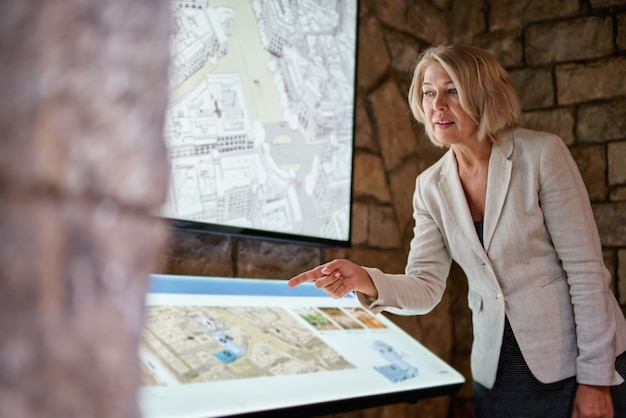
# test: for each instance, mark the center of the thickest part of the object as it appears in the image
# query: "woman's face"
(445, 118)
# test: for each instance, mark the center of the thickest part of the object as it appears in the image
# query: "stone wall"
(567, 59)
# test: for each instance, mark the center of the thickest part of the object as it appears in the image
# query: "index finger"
(307, 276)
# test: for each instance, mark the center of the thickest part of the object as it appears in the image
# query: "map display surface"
(216, 347)
(259, 127)
(200, 343)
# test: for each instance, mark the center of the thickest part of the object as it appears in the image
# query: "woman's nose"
(439, 103)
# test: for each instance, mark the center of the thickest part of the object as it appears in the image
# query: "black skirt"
(518, 394)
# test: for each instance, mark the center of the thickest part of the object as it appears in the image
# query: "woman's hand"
(338, 278)
(593, 402)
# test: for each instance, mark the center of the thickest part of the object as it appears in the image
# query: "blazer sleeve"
(422, 285)
(569, 220)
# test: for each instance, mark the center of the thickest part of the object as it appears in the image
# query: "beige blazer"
(541, 264)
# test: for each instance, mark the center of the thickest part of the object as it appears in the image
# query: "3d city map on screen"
(260, 122)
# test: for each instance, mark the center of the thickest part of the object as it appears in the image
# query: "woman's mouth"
(444, 123)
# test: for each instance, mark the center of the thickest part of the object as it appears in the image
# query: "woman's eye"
(453, 91)
(428, 94)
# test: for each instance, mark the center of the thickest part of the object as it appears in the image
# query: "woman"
(510, 207)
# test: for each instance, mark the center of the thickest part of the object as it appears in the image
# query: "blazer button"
(499, 298)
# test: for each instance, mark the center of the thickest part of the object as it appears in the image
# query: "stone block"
(618, 194)
(391, 12)
(419, 18)
(621, 32)
(570, 40)
(591, 161)
(198, 254)
(611, 220)
(601, 122)
(402, 181)
(426, 22)
(505, 45)
(383, 228)
(387, 260)
(274, 260)
(557, 121)
(402, 187)
(604, 79)
(395, 123)
(363, 136)
(506, 14)
(369, 178)
(598, 4)
(534, 87)
(359, 226)
(466, 17)
(617, 163)
(373, 56)
(404, 53)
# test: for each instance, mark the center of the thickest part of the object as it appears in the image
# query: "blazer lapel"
(500, 166)
(456, 203)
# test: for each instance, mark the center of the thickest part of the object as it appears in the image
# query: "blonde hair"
(484, 88)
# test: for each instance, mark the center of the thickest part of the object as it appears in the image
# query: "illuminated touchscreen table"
(218, 347)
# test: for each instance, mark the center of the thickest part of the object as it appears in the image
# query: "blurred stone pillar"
(83, 90)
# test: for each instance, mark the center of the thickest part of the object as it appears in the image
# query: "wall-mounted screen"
(260, 121)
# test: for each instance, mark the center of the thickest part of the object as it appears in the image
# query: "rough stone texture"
(394, 124)
(611, 220)
(558, 121)
(82, 165)
(411, 16)
(602, 122)
(577, 83)
(373, 51)
(391, 12)
(505, 14)
(569, 40)
(402, 182)
(505, 45)
(427, 22)
(389, 260)
(198, 254)
(591, 161)
(534, 87)
(359, 227)
(274, 260)
(383, 228)
(467, 18)
(596, 4)
(621, 31)
(364, 137)
(404, 52)
(369, 177)
(618, 194)
(617, 162)
(403, 186)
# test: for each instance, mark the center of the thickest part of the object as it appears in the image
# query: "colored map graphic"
(190, 344)
(398, 369)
